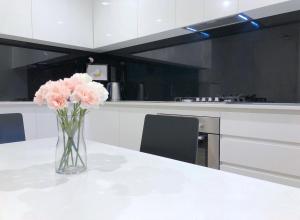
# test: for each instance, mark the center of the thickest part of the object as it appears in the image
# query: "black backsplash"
(264, 62)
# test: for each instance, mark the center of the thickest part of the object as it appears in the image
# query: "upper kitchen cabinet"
(245, 5)
(68, 22)
(114, 21)
(155, 16)
(16, 18)
(189, 12)
(214, 9)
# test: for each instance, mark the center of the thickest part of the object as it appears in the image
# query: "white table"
(123, 184)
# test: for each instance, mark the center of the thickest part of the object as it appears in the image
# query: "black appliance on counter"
(133, 91)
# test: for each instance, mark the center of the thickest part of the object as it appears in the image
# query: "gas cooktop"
(222, 99)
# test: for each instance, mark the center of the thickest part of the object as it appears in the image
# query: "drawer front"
(280, 158)
(276, 178)
(277, 127)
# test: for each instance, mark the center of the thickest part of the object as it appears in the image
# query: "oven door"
(208, 152)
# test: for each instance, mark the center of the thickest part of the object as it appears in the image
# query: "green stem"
(77, 154)
(69, 127)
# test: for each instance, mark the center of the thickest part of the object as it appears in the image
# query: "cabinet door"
(16, 18)
(102, 125)
(155, 16)
(131, 129)
(46, 123)
(114, 21)
(214, 9)
(189, 12)
(269, 160)
(63, 21)
(245, 5)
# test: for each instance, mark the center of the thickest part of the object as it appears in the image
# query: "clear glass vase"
(71, 157)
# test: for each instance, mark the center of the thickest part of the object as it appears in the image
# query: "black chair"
(171, 136)
(11, 128)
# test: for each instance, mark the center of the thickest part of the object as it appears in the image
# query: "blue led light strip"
(243, 17)
(191, 29)
(205, 34)
(255, 24)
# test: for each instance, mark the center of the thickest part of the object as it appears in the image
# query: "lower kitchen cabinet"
(257, 144)
(120, 127)
(46, 123)
(131, 129)
(265, 146)
(102, 125)
(273, 157)
(263, 175)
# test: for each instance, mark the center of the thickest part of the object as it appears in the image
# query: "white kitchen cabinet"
(16, 18)
(102, 125)
(114, 21)
(214, 9)
(259, 174)
(46, 123)
(189, 12)
(245, 5)
(276, 157)
(131, 129)
(273, 127)
(155, 16)
(261, 145)
(68, 22)
(273, 161)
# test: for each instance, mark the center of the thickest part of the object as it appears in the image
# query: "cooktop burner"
(222, 99)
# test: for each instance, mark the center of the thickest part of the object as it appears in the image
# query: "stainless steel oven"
(208, 153)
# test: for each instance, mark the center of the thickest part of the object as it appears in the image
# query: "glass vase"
(71, 157)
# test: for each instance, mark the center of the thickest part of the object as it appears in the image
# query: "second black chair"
(11, 128)
(171, 136)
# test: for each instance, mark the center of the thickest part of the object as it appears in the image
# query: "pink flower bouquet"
(71, 98)
(79, 89)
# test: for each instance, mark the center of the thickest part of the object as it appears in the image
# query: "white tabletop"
(124, 184)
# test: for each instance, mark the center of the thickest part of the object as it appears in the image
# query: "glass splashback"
(262, 63)
(16, 64)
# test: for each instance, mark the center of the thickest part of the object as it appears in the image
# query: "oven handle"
(202, 137)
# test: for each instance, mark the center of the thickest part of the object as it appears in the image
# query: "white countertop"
(259, 106)
(123, 184)
(157, 104)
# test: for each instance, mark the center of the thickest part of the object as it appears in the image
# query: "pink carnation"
(40, 95)
(52, 93)
(79, 88)
(56, 101)
(72, 83)
(59, 87)
(85, 95)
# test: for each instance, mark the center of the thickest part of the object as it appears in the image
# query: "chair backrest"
(171, 136)
(11, 128)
